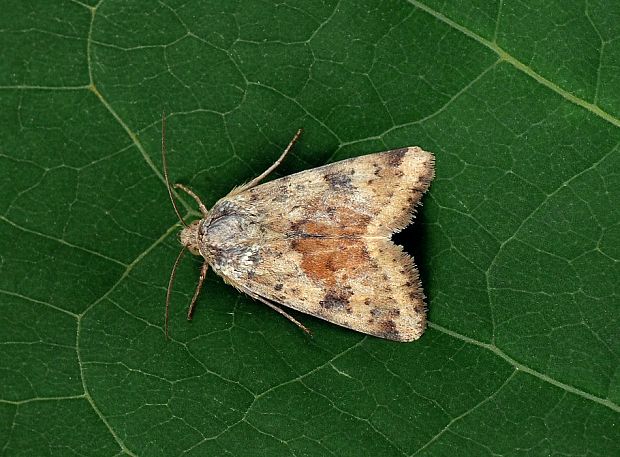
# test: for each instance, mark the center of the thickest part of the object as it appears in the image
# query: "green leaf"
(518, 240)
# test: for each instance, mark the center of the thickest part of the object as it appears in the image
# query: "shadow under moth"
(318, 241)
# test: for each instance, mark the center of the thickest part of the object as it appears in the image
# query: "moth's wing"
(368, 285)
(372, 195)
(324, 247)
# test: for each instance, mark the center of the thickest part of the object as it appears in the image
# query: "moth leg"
(278, 309)
(201, 279)
(190, 192)
(265, 173)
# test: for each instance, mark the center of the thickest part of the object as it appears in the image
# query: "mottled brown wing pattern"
(324, 244)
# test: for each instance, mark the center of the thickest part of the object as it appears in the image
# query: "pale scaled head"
(189, 237)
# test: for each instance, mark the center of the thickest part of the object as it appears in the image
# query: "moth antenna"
(169, 291)
(165, 165)
(190, 192)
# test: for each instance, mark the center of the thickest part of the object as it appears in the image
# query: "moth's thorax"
(189, 237)
(230, 239)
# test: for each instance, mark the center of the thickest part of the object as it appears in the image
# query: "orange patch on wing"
(331, 248)
(330, 259)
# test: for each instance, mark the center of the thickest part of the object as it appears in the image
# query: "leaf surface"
(518, 240)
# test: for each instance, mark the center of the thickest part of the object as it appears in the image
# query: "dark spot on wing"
(338, 181)
(395, 157)
(281, 193)
(336, 300)
(387, 329)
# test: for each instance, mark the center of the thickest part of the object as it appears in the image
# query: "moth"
(318, 241)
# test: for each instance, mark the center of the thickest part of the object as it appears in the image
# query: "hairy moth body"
(318, 241)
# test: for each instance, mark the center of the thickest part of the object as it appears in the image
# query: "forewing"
(371, 195)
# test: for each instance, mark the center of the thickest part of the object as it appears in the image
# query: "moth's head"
(189, 237)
